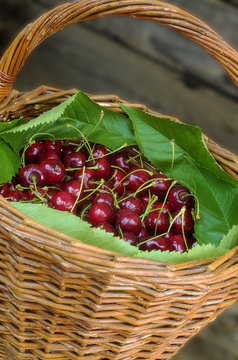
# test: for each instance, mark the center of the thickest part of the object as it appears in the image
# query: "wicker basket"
(61, 299)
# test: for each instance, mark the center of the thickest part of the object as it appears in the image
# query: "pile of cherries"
(145, 208)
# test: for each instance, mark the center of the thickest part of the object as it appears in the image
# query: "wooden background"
(143, 62)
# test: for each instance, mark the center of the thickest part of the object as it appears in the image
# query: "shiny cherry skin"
(16, 195)
(177, 243)
(104, 197)
(46, 155)
(180, 196)
(118, 182)
(4, 190)
(130, 238)
(161, 243)
(120, 160)
(103, 169)
(63, 201)
(187, 224)
(32, 174)
(33, 151)
(167, 208)
(128, 221)
(132, 204)
(101, 212)
(107, 227)
(54, 170)
(161, 186)
(52, 145)
(100, 151)
(136, 178)
(73, 187)
(89, 178)
(157, 223)
(74, 160)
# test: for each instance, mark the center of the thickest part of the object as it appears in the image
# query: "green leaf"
(79, 112)
(194, 167)
(9, 125)
(231, 239)
(9, 162)
(72, 225)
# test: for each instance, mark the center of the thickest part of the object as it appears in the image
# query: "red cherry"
(107, 227)
(130, 238)
(132, 204)
(118, 181)
(100, 151)
(32, 174)
(73, 187)
(16, 195)
(33, 151)
(161, 243)
(103, 170)
(101, 212)
(54, 170)
(167, 208)
(74, 160)
(46, 155)
(161, 186)
(4, 190)
(177, 243)
(180, 196)
(187, 224)
(104, 197)
(120, 160)
(52, 145)
(63, 201)
(137, 177)
(128, 222)
(156, 223)
(88, 179)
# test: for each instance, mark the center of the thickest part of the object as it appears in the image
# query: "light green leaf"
(231, 239)
(9, 162)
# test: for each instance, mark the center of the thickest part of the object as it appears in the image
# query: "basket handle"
(71, 12)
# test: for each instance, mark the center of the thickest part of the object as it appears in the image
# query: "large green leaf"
(72, 225)
(114, 129)
(9, 162)
(193, 165)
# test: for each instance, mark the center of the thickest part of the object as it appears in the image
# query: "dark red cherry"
(4, 190)
(33, 151)
(167, 208)
(63, 201)
(161, 243)
(130, 238)
(107, 227)
(101, 212)
(54, 170)
(177, 243)
(132, 204)
(104, 197)
(180, 196)
(73, 187)
(16, 195)
(118, 181)
(136, 178)
(161, 185)
(74, 160)
(89, 178)
(32, 174)
(120, 160)
(143, 233)
(66, 150)
(105, 187)
(128, 222)
(36, 194)
(145, 198)
(100, 151)
(157, 223)
(52, 145)
(46, 155)
(103, 169)
(183, 222)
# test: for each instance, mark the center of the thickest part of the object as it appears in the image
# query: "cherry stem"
(132, 172)
(85, 141)
(92, 192)
(35, 190)
(184, 238)
(111, 191)
(152, 200)
(173, 154)
(84, 211)
(80, 190)
(197, 216)
(118, 168)
(134, 157)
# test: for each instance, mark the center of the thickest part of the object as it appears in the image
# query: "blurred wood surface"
(143, 62)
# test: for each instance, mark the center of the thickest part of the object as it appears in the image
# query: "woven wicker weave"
(61, 299)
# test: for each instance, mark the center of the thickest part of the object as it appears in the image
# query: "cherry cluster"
(109, 190)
